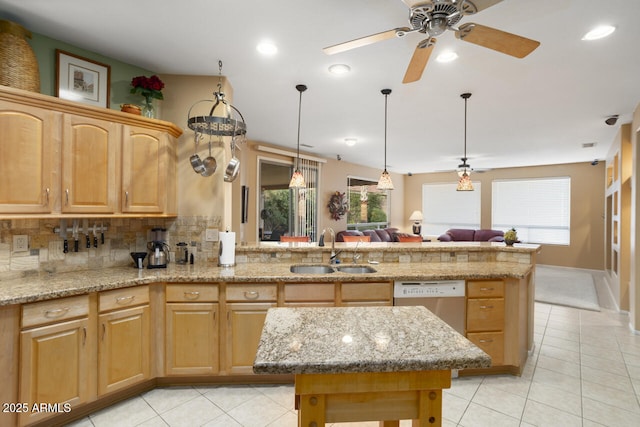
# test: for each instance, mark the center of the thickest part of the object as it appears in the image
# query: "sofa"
(469, 235)
(381, 235)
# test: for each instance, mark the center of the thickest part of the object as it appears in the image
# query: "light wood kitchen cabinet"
(90, 149)
(55, 350)
(309, 294)
(362, 294)
(246, 309)
(30, 141)
(63, 158)
(191, 332)
(486, 317)
(145, 170)
(124, 344)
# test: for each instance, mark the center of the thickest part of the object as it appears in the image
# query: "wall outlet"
(20, 243)
(211, 235)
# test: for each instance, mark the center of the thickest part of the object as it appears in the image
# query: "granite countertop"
(389, 247)
(323, 340)
(42, 286)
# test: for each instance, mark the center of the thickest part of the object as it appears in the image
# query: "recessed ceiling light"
(267, 48)
(339, 69)
(599, 32)
(350, 141)
(447, 56)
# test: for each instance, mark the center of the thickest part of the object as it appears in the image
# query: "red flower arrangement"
(149, 87)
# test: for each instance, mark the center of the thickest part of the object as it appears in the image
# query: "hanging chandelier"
(464, 170)
(229, 123)
(384, 183)
(297, 179)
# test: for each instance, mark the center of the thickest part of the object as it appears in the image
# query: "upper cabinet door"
(90, 150)
(29, 143)
(144, 170)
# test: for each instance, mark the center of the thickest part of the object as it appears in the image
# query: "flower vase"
(509, 242)
(148, 110)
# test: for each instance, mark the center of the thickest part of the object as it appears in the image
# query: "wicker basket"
(18, 63)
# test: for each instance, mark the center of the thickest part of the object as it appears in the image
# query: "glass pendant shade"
(384, 183)
(464, 184)
(297, 180)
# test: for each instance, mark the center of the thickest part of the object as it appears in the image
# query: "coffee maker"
(158, 249)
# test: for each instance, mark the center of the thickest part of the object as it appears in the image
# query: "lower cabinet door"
(123, 348)
(243, 330)
(53, 369)
(491, 343)
(191, 338)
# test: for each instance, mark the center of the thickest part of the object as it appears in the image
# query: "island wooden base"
(371, 396)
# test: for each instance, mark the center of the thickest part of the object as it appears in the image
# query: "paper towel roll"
(227, 255)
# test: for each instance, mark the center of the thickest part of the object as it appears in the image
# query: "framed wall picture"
(83, 80)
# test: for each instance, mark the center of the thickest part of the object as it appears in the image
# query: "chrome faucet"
(332, 258)
(356, 255)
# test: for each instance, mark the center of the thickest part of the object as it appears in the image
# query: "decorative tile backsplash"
(122, 236)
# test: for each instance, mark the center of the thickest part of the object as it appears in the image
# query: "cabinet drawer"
(56, 310)
(367, 292)
(485, 289)
(491, 343)
(192, 292)
(126, 297)
(309, 292)
(485, 314)
(256, 292)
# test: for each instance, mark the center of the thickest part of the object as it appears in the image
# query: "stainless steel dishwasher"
(444, 298)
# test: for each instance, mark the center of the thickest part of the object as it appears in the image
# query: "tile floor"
(585, 371)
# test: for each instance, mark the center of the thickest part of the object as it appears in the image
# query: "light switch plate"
(20, 243)
(211, 235)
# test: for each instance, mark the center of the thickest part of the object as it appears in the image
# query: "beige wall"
(634, 291)
(587, 208)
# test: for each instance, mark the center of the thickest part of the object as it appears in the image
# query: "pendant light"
(464, 183)
(297, 180)
(384, 183)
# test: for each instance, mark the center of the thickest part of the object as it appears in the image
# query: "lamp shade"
(385, 183)
(464, 184)
(297, 180)
(416, 216)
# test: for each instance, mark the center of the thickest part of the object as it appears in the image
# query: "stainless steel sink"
(356, 269)
(311, 269)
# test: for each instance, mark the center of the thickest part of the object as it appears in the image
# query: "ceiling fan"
(434, 18)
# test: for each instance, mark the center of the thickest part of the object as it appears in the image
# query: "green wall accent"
(121, 73)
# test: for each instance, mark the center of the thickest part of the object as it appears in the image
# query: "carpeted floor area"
(569, 287)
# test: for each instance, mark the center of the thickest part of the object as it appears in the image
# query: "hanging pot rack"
(230, 123)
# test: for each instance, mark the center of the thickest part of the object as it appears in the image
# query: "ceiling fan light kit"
(297, 179)
(464, 183)
(435, 17)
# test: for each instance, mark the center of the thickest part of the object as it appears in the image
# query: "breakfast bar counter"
(365, 363)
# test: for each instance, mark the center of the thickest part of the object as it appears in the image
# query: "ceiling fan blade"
(419, 60)
(363, 41)
(411, 3)
(501, 41)
(477, 6)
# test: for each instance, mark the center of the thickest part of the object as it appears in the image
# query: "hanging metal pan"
(196, 161)
(231, 172)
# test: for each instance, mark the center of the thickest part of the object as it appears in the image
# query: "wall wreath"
(338, 206)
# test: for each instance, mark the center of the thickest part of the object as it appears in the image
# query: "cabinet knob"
(192, 295)
(486, 307)
(125, 300)
(46, 196)
(251, 294)
(67, 196)
(56, 312)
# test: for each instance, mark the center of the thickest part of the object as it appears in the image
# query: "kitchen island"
(365, 363)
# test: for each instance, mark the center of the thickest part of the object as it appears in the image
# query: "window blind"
(443, 207)
(539, 209)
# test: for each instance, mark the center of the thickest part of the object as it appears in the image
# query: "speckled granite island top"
(333, 340)
(43, 286)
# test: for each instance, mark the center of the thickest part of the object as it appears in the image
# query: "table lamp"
(416, 217)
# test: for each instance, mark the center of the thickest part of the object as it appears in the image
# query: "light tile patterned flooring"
(585, 372)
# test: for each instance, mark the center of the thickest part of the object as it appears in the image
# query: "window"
(368, 206)
(539, 209)
(443, 208)
(285, 211)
